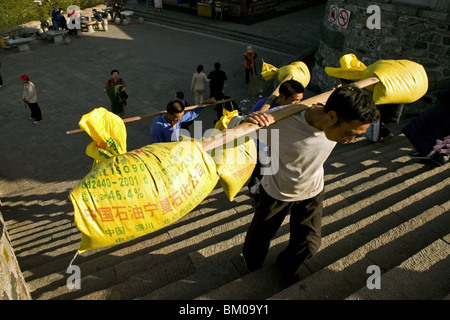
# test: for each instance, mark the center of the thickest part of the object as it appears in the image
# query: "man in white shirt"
(296, 185)
(29, 96)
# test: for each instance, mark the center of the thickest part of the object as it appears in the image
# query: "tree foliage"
(17, 12)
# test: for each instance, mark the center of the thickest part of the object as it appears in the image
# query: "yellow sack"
(108, 133)
(138, 192)
(351, 68)
(235, 161)
(297, 69)
(401, 81)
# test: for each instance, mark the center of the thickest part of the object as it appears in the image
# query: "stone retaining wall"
(406, 31)
(12, 283)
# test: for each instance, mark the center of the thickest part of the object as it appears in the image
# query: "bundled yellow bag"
(297, 69)
(351, 68)
(401, 81)
(108, 133)
(235, 161)
(138, 192)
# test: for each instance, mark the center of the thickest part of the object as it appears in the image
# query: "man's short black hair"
(291, 87)
(174, 107)
(179, 95)
(352, 103)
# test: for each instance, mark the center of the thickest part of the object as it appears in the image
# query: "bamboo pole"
(151, 115)
(284, 112)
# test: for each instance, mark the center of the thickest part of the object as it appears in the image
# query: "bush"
(17, 12)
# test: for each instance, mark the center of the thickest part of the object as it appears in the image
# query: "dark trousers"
(305, 231)
(35, 111)
(248, 72)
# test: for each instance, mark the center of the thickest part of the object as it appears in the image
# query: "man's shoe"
(386, 137)
(37, 121)
(289, 278)
(418, 155)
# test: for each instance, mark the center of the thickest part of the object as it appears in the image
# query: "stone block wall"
(12, 283)
(407, 31)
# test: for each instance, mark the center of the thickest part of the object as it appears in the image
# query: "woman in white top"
(198, 84)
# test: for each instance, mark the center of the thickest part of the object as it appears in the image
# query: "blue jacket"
(162, 131)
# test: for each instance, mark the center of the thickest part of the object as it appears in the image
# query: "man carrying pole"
(296, 185)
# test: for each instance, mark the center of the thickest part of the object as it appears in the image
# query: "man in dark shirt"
(218, 78)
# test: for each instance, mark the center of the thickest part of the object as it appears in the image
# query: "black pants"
(248, 72)
(35, 111)
(305, 231)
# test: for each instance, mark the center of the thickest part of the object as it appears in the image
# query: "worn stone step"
(386, 251)
(141, 254)
(423, 276)
(222, 31)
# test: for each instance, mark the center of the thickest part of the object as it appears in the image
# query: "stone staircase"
(381, 209)
(216, 28)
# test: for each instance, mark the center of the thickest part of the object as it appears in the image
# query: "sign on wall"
(339, 16)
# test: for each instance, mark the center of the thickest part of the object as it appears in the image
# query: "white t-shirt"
(301, 150)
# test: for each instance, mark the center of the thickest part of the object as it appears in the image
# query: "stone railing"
(12, 282)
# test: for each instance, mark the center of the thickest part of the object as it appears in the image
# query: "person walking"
(115, 89)
(29, 96)
(249, 63)
(198, 84)
(296, 185)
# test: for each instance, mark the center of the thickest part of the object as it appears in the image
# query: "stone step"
(345, 276)
(224, 31)
(381, 208)
(423, 276)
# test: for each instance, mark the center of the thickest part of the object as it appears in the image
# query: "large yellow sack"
(297, 69)
(235, 161)
(401, 81)
(139, 192)
(108, 133)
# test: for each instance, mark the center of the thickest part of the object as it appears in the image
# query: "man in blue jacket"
(166, 128)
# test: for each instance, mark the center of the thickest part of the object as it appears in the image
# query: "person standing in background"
(115, 89)
(30, 97)
(198, 84)
(218, 78)
(250, 63)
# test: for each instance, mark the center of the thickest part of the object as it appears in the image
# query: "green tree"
(17, 12)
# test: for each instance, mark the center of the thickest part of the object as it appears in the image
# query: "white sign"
(343, 18)
(333, 13)
(339, 16)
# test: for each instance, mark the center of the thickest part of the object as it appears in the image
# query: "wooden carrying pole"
(287, 111)
(151, 115)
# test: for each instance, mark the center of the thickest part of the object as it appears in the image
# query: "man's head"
(115, 74)
(217, 65)
(179, 95)
(291, 91)
(24, 78)
(175, 111)
(349, 111)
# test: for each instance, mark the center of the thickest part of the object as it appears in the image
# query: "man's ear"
(332, 118)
